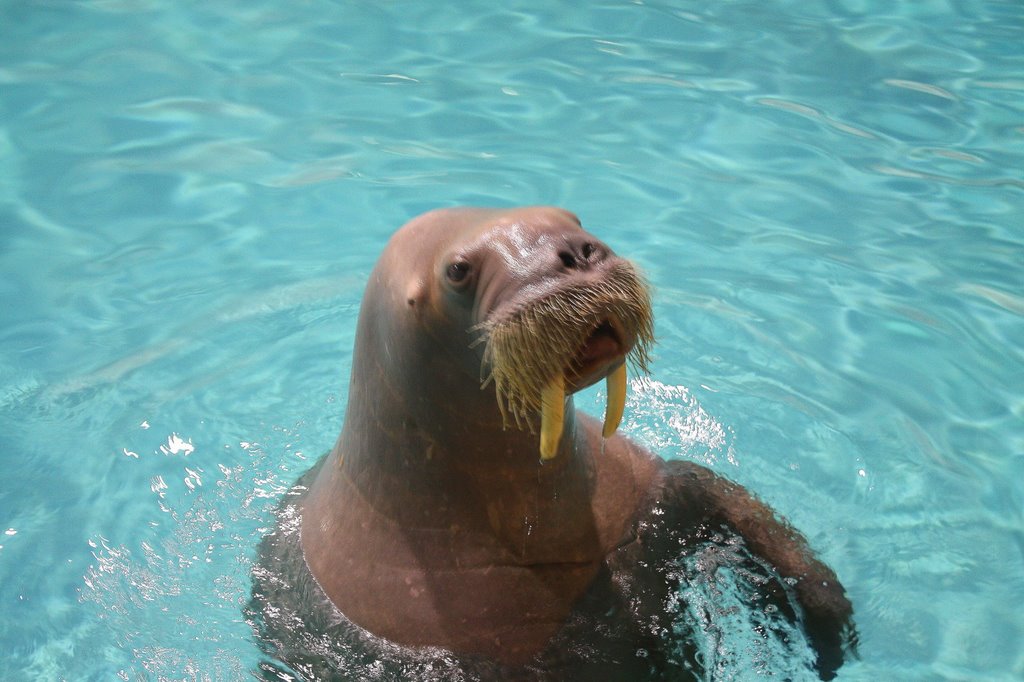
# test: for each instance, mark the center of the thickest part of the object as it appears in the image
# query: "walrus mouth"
(565, 341)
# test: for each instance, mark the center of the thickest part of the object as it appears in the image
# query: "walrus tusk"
(552, 406)
(616, 383)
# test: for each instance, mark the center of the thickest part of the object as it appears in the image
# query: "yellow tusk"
(616, 383)
(552, 403)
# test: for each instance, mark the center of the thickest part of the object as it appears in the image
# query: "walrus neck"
(433, 475)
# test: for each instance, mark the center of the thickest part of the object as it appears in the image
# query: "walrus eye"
(457, 272)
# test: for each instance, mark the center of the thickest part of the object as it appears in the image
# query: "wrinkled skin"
(431, 524)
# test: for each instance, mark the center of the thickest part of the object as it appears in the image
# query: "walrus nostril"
(581, 255)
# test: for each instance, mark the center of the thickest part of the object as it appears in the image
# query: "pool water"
(828, 198)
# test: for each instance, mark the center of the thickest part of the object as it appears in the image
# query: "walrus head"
(547, 307)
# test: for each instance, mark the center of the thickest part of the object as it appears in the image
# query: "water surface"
(827, 196)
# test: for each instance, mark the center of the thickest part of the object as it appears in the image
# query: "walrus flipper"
(706, 502)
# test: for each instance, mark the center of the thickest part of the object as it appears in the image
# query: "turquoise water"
(828, 198)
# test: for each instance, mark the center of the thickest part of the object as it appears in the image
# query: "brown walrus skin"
(436, 543)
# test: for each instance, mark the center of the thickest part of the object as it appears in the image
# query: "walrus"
(469, 522)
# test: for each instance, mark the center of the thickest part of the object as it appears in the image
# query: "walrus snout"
(553, 342)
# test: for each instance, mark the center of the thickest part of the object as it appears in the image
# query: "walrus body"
(444, 530)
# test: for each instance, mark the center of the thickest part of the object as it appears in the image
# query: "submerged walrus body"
(492, 532)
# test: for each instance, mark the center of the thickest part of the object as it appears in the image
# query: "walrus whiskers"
(529, 349)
